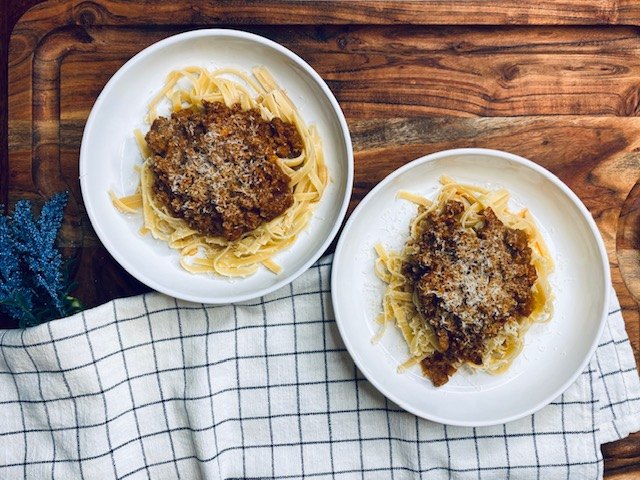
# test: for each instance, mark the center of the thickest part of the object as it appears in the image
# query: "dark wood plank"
(413, 77)
(420, 71)
(628, 240)
(337, 12)
(10, 12)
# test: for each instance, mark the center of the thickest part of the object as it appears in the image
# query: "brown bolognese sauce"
(216, 167)
(467, 284)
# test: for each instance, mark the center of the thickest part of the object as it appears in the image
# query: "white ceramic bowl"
(555, 353)
(109, 153)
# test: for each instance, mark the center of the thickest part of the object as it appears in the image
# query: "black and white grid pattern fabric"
(148, 387)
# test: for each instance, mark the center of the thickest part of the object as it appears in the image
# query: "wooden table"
(556, 82)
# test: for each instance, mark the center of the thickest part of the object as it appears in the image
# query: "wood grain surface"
(555, 82)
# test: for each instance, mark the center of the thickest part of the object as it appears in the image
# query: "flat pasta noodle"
(399, 304)
(199, 253)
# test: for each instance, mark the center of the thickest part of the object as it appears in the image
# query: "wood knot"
(510, 72)
(461, 47)
(631, 102)
(348, 41)
(88, 14)
(20, 47)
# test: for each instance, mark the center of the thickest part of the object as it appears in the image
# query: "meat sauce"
(467, 285)
(216, 168)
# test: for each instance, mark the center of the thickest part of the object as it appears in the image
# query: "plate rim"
(348, 160)
(597, 236)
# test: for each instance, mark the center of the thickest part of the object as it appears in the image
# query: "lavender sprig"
(15, 296)
(33, 288)
(35, 242)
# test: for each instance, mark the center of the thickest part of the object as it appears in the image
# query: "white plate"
(555, 353)
(109, 152)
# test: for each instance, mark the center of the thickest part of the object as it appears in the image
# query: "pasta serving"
(471, 279)
(232, 177)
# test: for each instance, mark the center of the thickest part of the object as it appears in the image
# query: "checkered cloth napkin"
(150, 387)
